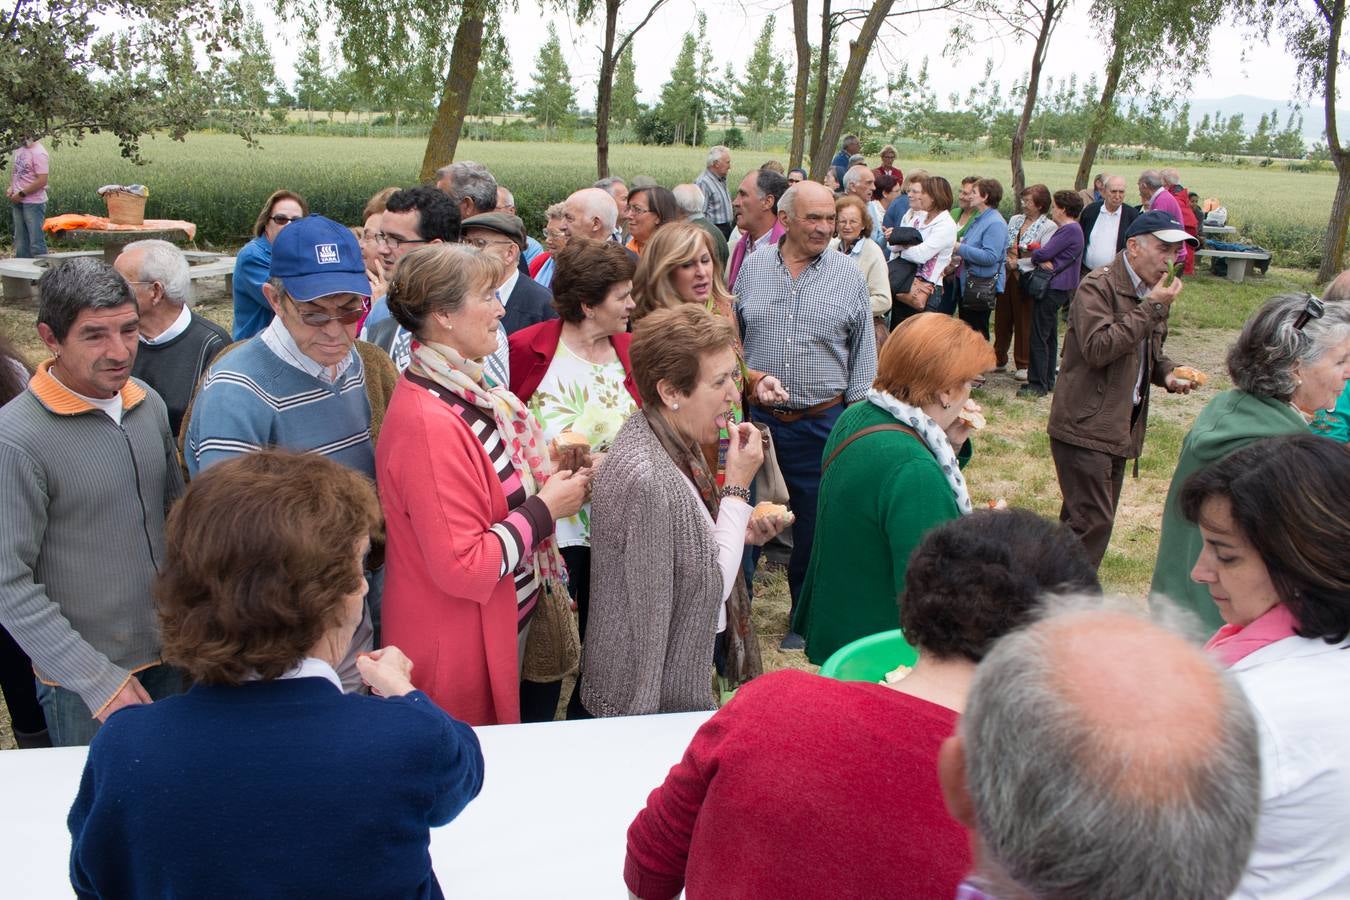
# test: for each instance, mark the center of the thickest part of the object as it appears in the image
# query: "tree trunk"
(819, 157)
(859, 50)
(464, 53)
(1102, 116)
(1019, 138)
(797, 149)
(604, 91)
(1333, 248)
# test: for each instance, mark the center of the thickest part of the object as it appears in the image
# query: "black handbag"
(980, 293)
(1036, 283)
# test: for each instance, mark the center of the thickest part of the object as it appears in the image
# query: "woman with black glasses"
(1291, 360)
(252, 312)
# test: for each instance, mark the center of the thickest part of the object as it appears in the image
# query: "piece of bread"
(971, 415)
(571, 439)
(1194, 376)
(765, 509)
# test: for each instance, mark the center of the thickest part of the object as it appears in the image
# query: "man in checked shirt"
(805, 318)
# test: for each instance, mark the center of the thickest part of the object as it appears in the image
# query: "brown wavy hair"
(260, 563)
(669, 345)
(265, 213)
(583, 273)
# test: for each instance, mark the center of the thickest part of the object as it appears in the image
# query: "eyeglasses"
(279, 219)
(1313, 309)
(637, 210)
(395, 241)
(977, 382)
(484, 243)
(344, 316)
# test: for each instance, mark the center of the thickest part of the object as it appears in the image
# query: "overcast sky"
(733, 26)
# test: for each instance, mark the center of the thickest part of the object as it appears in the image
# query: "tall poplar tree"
(552, 99)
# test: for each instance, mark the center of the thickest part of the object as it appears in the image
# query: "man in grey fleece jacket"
(88, 470)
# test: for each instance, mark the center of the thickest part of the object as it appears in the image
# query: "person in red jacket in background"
(850, 768)
(1172, 183)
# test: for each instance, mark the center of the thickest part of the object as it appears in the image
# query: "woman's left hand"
(770, 391)
(387, 670)
(760, 531)
(1048, 265)
(958, 433)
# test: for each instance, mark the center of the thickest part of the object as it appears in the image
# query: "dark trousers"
(1012, 321)
(1044, 362)
(977, 319)
(800, 447)
(945, 300)
(16, 683)
(1090, 483)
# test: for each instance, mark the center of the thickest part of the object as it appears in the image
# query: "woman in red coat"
(463, 473)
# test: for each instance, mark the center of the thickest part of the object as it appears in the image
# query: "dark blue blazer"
(530, 303)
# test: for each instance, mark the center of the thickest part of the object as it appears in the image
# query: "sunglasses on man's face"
(344, 316)
(279, 219)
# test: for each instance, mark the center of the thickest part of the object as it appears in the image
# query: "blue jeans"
(29, 240)
(800, 447)
(945, 300)
(70, 723)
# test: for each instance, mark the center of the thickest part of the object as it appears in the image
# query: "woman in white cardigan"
(852, 226)
(930, 203)
(1272, 516)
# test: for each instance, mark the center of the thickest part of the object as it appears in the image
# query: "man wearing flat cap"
(1113, 352)
(503, 235)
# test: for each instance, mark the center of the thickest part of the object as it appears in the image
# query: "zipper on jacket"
(140, 495)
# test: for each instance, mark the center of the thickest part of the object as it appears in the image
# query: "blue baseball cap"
(316, 257)
(1162, 226)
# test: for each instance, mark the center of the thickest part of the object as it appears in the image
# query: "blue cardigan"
(283, 788)
(984, 248)
(252, 312)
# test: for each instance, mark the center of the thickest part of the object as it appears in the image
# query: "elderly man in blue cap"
(1113, 352)
(299, 383)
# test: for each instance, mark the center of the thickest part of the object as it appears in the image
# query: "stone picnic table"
(114, 238)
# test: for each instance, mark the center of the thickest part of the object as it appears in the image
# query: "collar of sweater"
(58, 399)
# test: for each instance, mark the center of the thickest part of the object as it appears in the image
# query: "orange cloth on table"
(80, 221)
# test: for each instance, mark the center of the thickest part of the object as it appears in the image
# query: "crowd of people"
(444, 466)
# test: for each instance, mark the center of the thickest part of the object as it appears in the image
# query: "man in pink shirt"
(1155, 196)
(28, 198)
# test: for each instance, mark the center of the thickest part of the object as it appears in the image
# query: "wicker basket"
(124, 208)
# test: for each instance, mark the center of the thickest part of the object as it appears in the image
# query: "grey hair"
(1052, 794)
(715, 153)
(787, 203)
(1170, 177)
(1152, 178)
(852, 175)
(856, 159)
(690, 198)
(848, 139)
(605, 184)
(163, 262)
(506, 192)
(555, 211)
(472, 180)
(1262, 360)
(79, 284)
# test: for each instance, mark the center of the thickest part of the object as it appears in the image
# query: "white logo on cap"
(327, 254)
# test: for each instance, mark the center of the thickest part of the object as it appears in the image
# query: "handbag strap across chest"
(864, 432)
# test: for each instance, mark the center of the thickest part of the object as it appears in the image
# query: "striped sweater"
(82, 506)
(253, 399)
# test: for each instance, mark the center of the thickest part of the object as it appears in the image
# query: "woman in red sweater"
(469, 504)
(849, 769)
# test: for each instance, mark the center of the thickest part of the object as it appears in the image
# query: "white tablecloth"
(556, 803)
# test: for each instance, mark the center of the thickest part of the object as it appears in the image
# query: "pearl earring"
(674, 406)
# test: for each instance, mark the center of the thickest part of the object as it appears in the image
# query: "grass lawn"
(1012, 457)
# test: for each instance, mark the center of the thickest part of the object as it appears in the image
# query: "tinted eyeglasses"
(344, 316)
(1313, 309)
(279, 219)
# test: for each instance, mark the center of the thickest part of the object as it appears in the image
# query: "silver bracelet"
(732, 490)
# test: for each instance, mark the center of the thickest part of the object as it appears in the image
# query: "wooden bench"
(1239, 261)
(18, 275)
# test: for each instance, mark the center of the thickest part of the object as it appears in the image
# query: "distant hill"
(1253, 108)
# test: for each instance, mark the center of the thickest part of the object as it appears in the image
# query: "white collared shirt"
(509, 285)
(278, 339)
(179, 326)
(1101, 245)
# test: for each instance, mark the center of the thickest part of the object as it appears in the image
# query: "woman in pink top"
(848, 770)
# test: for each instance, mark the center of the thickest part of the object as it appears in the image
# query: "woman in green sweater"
(890, 473)
(1291, 360)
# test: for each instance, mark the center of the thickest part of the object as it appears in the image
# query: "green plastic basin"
(870, 658)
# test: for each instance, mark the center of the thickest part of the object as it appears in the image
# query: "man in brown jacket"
(1113, 351)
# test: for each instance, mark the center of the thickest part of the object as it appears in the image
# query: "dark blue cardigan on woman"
(284, 788)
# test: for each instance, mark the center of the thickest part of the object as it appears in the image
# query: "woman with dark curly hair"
(1272, 516)
(264, 778)
(853, 760)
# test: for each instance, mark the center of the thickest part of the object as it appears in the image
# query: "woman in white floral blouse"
(574, 374)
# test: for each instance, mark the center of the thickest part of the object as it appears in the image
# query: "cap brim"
(324, 284)
(1175, 236)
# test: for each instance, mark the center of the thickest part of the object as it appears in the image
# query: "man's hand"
(770, 391)
(1177, 385)
(1165, 294)
(131, 694)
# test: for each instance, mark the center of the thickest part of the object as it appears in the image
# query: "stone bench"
(1239, 262)
(18, 275)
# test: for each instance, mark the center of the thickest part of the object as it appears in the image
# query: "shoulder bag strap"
(864, 433)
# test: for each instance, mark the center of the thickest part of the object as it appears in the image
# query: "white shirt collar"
(280, 342)
(1106, 212)
(179, 326)
(1140, 289)
(509, 285)
(313, 667)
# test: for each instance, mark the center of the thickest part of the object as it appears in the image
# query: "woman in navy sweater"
(1062, 254)
(265, 780)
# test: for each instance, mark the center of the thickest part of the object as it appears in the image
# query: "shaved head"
(590, 213)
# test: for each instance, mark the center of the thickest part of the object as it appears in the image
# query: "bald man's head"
(1339, 289)
(590, 213)
(1103, 756)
